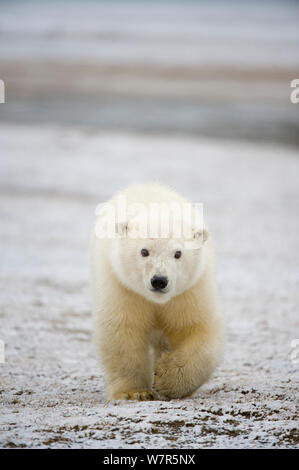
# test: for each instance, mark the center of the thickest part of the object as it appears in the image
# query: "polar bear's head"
(159, 268)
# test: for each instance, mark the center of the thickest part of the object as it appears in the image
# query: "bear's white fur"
(153, 343)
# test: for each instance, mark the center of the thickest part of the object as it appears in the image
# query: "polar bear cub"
(158, 328)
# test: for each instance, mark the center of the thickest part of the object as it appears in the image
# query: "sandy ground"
(51, 387)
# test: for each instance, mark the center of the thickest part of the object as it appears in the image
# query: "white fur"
(182, 326)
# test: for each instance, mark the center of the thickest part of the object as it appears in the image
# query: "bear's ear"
(201, 235)
(121, 229)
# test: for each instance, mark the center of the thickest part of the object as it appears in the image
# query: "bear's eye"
(178, 254)
(144, 252)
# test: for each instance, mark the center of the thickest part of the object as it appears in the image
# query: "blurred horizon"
(218, 69)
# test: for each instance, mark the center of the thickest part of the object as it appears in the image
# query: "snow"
(51, 385)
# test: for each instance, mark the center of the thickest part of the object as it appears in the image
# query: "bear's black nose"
(159, 282)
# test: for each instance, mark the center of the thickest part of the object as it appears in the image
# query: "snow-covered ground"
(51, 385)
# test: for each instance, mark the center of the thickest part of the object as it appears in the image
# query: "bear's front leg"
(190, 362)
(128, 368)
(123, 343)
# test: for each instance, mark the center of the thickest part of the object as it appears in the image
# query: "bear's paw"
(143, 395)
